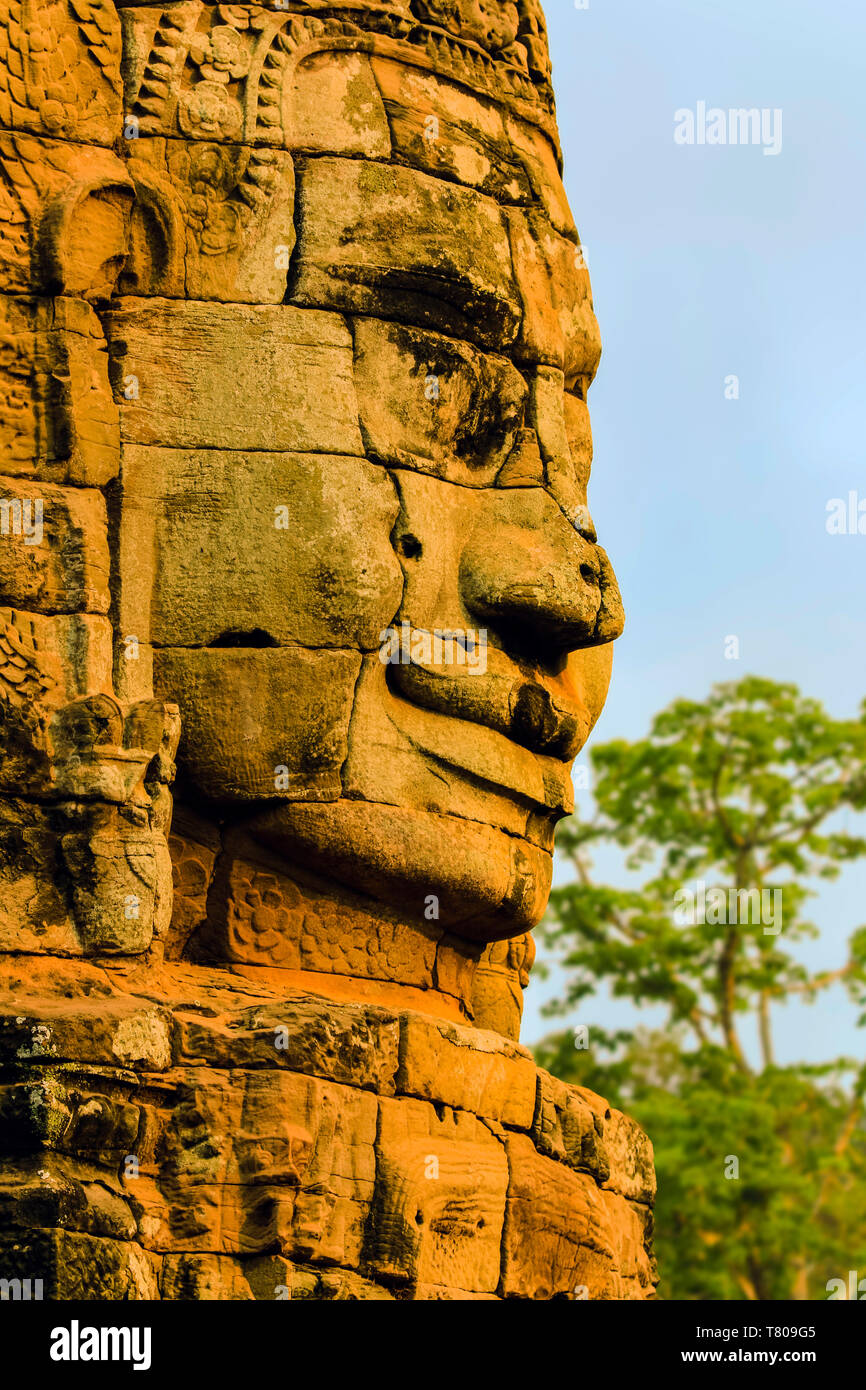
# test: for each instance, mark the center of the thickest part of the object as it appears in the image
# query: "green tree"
(726, 814)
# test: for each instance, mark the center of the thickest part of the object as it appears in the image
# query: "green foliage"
(745, 791)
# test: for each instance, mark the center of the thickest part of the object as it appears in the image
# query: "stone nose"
(529, 574)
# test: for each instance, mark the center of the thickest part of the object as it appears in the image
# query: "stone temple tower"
(303, 621)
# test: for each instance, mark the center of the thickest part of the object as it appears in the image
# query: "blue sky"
(708, 261)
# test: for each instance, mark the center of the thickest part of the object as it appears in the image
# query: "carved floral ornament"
(58, 65)
(218, 72)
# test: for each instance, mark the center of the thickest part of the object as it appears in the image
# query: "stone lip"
(281, 1141)
(542, 712)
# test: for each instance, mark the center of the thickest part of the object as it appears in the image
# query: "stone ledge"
(167, 1142)
(466, 1068)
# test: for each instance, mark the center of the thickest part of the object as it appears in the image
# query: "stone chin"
(488, 885)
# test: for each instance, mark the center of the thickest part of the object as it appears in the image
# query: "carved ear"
(155, 264)
(84, 238)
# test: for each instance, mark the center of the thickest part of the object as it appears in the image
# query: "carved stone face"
(293, 376)
(354, 340)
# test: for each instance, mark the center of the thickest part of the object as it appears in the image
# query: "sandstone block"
(446, 131)
(440, 1199)
(566, 1128)
(64, 212)
(34, 1114)
(295, 547)
(117, 1031)
(448, 747)
(53, 548)
(203, 1279)
(249, 1160)
(383, 240)
(55, 658)
(559, 327)
(540, 161)
(260, 916)
(273, 378)
(632, 1171)
(35, 911)
(211, 221)
(75, 1266)
(120, 886)
(60, 74)
(58, 420)
(349, 1044)
(193, 849)
(336, 1285)
(497, 987)
(495, 883)
(467, 1069)
(566, 1236)
(50, 1191)
(331, 104)
(265, 724)
(435, 404)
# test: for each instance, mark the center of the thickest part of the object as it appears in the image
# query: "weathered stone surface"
(60, 69)
(103, 1029)
(73, 1266)
(58, 420)
(348, 1044)
(434, 403)
(67, 655)
(468, 1068)
(203, 1279)
(261, 916)
(267, 378)
(247, 1140)
(257, 74)
(334, 1286)
(566, 1236)
(632, 1173)
(262, 724)
(296, 335)
(539, 157)
(332, 105)
(440, 1199)
(211, 221)
(559, 327)
(121, 885)
(64, 212)
(244, 1162)
(449, 260)
(191, 577)
(53, 548)
(427, 755)
(496, 883)
(58, 1192)
(570, 1130)
(36, 914)
(444, 130)
(498, 984)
